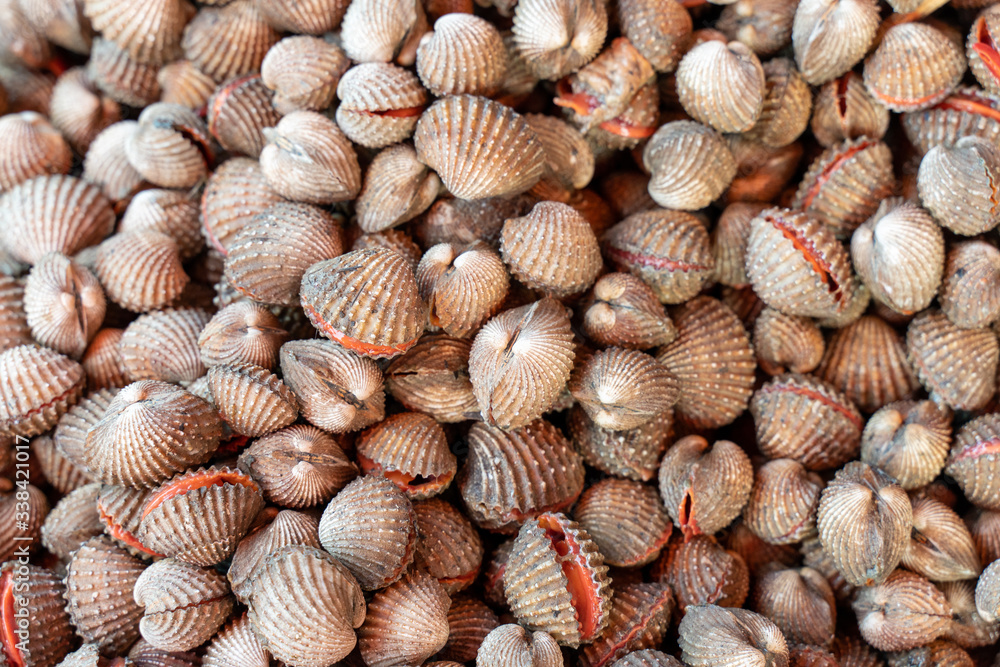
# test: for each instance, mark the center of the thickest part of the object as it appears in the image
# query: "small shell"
(383, 30)
(238, 112)
(433, 377)
(397, 188)
(520, 362)
(183, 83)
(463, 54)
(626, 520)
(631, 454)
(379, 104)
(411, 450)
(710, 634)
(63, 474)
(899, 254)
(463, 286)
(228, 41)
(914, 67)
(106, 166)
(64, 304)
(691, 165)
(844, 110)
(903, 612)
(958, 367)
(102, 360)
(972, 462)
(51, 635)
(141, 270)
(722, 85)
(31, 147)
(406, 623)
(782, 505)
(940, 546)
(785, 343)
(312, 17)
(637, 121)
(171, 147)
(498, 499)
(337, 390)
(623, 389)
(624, 311)
(800, 602)
(714, 362)
(150, 32)
(461, 221)
(23, 513)
(287, 527)
(450, 137)
(171, 212)
(639, 617)
(959, 185)
(968, 628)
(235, 193)
(557, 37)
(370, 527)
(163, 345)
(120, 77)
(513, 645)
(236, 645)
(970, 290)
(73, 521)
(831, 36)
(251, 399)
(762, 172)
(657, 28)
(244, 332)
(864, 523)
(669, 250)
(37, 386)
(470, 622)
(700, 571)
(14, 329)
(303, 71)
(909, 440)
(448, 546)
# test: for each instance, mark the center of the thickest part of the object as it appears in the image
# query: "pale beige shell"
(831, 36)
(623, 389)
(236, 645)
(908, 440)
(710, 634)
(787, 105)
(238, 113)
(558, 37)
(843, 109)
(782, 505)
(106, 166)
(64, 304)
(73, 521)
(303, 72)
(163, 345)
(988, 593)
(940, 546)
(14, 329)
(383, 30)
(243, 332)
(433, 377)
(31, 147)
(786, 343)
(513, 645)
(37, 386)
(463, 286)
(229, 40)
(624, 311)
(970, 291)
(903, 612)
(406, 623)
(691, 165)
(312, 17)
(960, 185)
(722, 85)
(463, 54)
(236, 192)
(150, 32)
(120, 77)
(183, 83)
(380, 104)
(252, 400)
(568, 156)
(141, 270)
(171, 212)
(397, 188)
(171, 146)
(657, 28)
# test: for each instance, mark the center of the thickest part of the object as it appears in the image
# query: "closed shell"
(141, 270)
(843, 109)
(72, 521)
(106, 166)
(463, 54)
(800, 602)
(397, 188)
(568, 157)
(513, 645)
(700, 571)
(722, 85)
(244, 332)
(448, 546)
(303, 71)
(14, 329)
(236, 192)
(70, 434)
(406, 623)
(313, 17)
(463, 285)
(787, 105)
(970, 290)
(470, 622)
(37, 386)
(640, 613)
(831, 36)
(940, 546)
(626, 520)
(383, 30)
(171, 212)
(909, 440)
(411, 450)
(657, 28)
(709, 634)
(691, 165)
(252, 400)
(121, 77)
(102, 360)
(163, 345)
(183, 83)
(972, 462)
(171, 147)
(228, 41)
(782, 505)
(64, 475)
(623, 389)
(287, 527)
(623, 311)
(31, 147)
(903, 612)
(64, 304)
(239, 111)
(236, 645)
(433, 377)
(23, 512)
(786, 343)
(959, 185)
(633, 454)
(150, 32)
(380, 104)
(558, 37)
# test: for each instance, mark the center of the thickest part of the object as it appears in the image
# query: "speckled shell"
(64, 304)
(786, 107)
(31, 147)
(312, 17)
(970, 290)
(557, 37)
(797, 266)
(171, 147)
(899, 254)
(626, 520)
(235, 193)
(99, 581)
(647, 658)
(120, 77)
(433, 377)
(337, 390)
(303, 71)
(120, 510)
(691, 165)
(228, 41)
(393, 239)
(71, 432)
(843, 109)
(909, 440)
(831, 36)
(462, 54)
(34, 593)
(940, 546)
(141, 270)
(236, 645)
(61, 473)
(800, 602)
(37, 386)
(243, 332)
(709, 634)
(623, 389)
(252, 400)
(383, 31)
(640, 613)
(631, 454)
(972, 462)
(406, 623)
(163, 345)
(636, 122)
(411, 449)
(988, 593)
(763, 25)
(903, 612)
(14, 329)
(106, 166)
(782, 505)
(451, 134)
(287, 527)
(938, 652)
(304, 606)
(53, 214)
(722, 85)
(379, 104)
(968, 629)
(714, 362)
(463, 285)
(238, 112)
(520, 362)
(957, 367)
(959, 185)
(786, 343)
(657, 28)
(150, 32)
(183, 83)
(513, 645)
(498, 499)
(700, 571)
(914, 67)
(397, 188)
(623, 311)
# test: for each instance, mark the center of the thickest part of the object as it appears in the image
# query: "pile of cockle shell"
(529, 333)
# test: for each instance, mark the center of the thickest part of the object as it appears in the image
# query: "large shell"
(450, 138)
(970, 291)
(31, 147)
(843, 109)
(120, 77)
(631, 454)
(623, 389)
(34, 594)
(782, 504)
(701, 571)
(903, 612)
(37, 386)
(908, 440)
(624, 311)
(235, 193)
(973, 461)
(64, 304)
(626, 520)
(406, 623)
(786, 343)
(238, 112)
(520, 362)
(141, 270)
(433, 377)
(303, 71)
(463, 54)
(568, 157)
(287, 527)
(380, 104)
(831, 36)
(940, 546)
(163, 345)
(549, 474)
(236, 645)
(463, 286)
(411, 450)
(638, 620)
(252, 400)
(691, 165)
(722, 85)
(228, 41)
(448, 545)
(383, 30)
(557, 37)
(243, 332)
(959, 185)
(171, 147)
(710, 635)
(150, 32)
(397, 188)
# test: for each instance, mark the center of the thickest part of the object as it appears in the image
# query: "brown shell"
(939, 652)
(787, 105)
(71, 433)
(106, 166)
(710, 634)
(631, 454)
(252, 400)
(312, 17)
(909, 440)
(64, 304)
(23, 512)
(972, 462)
(623, 311)
(141, 270)
(236, 645)
(184, 604)
(782, 505)
(163, 345)
(914, 67)
(51, 635)
(497, 498)
(958, 367)
(239, 111)
(383, 31)
(714, 362)
(805, 418)
(463, 285)
(183, 83)
(657, 28)
(968, 629)
(150, 431)
(556, 37)
(700, 571)
(53, 214)
(520, 362)
(120, 77)
(763, 25)
(831, 36)
(647, 658)
(72, 521)
(470, 622)
(461, 221)
(903, 612)
(640, 613)
(31, 147)
(448, 545)
(626, 520)
(303, 71)
(623, 389)
(512, 644)
(411, 450)
(729, 242)
(171, 147)
(463, 54)
(984, 525)
(144, 654)
(379, 104)
(235, 193)
(568, 157)
(800, 602)
(120, 510)
(959, 185)
(37, 386)
(970, 290)
(61, 473)
(150, 32)
(762, 172)
(102, 360)
(980, 43)
(171, 212)
(370, 527)
(337, 390)
(690, 165)
(814, 556)
(940, 546)
(988, 593)
(433, 377)
(406, 623)
(899, 254)
(285, 528)
(99, 581)
(304, 606)
(14, 329)
(722, 85)
(786, 343)
(243, 332)
(228, 41)
(397, 188)
(844, 110)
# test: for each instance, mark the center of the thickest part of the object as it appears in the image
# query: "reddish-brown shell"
(37, 386)
(626, 520)
(228, 41)
(729, 242)
(631, 454)
(278, 530)
(171, 146)
(710, 634)
(236, 192)
(251, 399)
(470, 622)
(448, 545)
(163, 345)
(14, 329)
(700, 571)
(657, 28)
(35, 593)
(120, 77)
(800, 602)
(411, 450)
(141, 270)
(970, 289)
(102, 360)
(940, 546)
(31, 147)
(623, 311)
(380, 104)
(238, 112)
(782, 505)
(433, 377)
(463, 285)
(303, 71)
(908, 440)
(843, 109)
(786, 343)
(243, 332)
(63, 474)
(23, 512)
(959, 185)
(171, 212)
(902, 612)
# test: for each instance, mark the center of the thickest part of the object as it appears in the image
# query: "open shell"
(411, 450)
(640, 613)
(380, 104)
(972, 462)
(843, 109)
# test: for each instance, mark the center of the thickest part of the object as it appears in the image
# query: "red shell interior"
(970, 103)
(407, 112)
(832, 169)
(116, 531)
(986, 48)
(353, 344)
(808, 250)
(196, 482)
(685, 516)
(581, 103)
(579, 580)
(404, 480)
(624, 128)
(7, 626)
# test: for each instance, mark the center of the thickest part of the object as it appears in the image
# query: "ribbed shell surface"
(396, 189)
(141, 270)
(236, 192)
(433, 377)
(367, 91)
(722, 85)
(150, 32)
(236, 645)
(624, 311)
(239, 111)
(701, 571)
(712, 636)
(909, 440)
(970, 290)
(163, 345)
(228, 41)
(831, 36)
(410, 445)
(37, 386)
(903, 612)
(960, 185)
(303, 72)
(448, 545)
(406, 623)
(626, 520)
(464, 285)
(782, 504)
(64, 304)
(623, 389)
(31, 147)
(844, 109)
(940, 546)
(973, 463)
(463, 54)
(633, 454)
(251, 399)
(639, 617)
(288, 527)
(786, 343)
(558, 37)
(690, 165)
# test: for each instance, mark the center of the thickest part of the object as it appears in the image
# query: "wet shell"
(303, 71)
(940, 546)
(980, 49)
(714, 362)
(120, 77)
(170, 212)
(308, 159)
(762, 172)
(163, 345)
(797, 266)
(36, 594)
(99, 581)
(150, 431)
(463, 54)
(903, 612)
(184, 604)
(691, 165)
(150, 32)
(914, 67)
(557, 37)
(31, 147)
(700, 571)
(183, 83)
(337, 390)
(782, 505)
(623, 389)
(411, 450)
(970, 290)
(463, 285)
(448, 546)
(722, 85)
(64, 304)
(513, 645)
(959, 185)
(957, 367)
(709, 634)
(406, 623)
(520, 362)
(909, 440)
(73, 521)
(831, 36)
(171, 147)
(899, 254)
(624, 311)
(383, 30)
(800, 602)
(14, 329)
(238, 112)
(379, 104)
(235, 193)
(106, 166)
(804, 418)
(64, 475)
(669, 250)
(53, 214)
(141, 270)
(785, 343)
(252, 400)
(864, 523)
(304, 606)
(549, 478)
(37, 386)
(556, 581)
(287, 527)
(244, 332)
(626, 521)
(638, 619)
(312, 17)
(843, 110)
(973, 461)
(433, 377)
(657, 28)
(236, 645)
(631, 454)
(470, 622)
(397, 188)
(228, 41)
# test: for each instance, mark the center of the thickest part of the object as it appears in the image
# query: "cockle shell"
(171, 147)
(252, 400)
(513, 645)
(37, 386)
(171, 212)
(284, 528)
(970, 290)
(120, 77)
(120, 511)
(433, 377)
(238, 112)
(396, 189)
(626, 520)
(631, 454)
(831, 36)
(980, 49)
(236, 645)
(638, 620)
(62, 23)
(236, 192)
(463, 286)
(968, 628)
(972, 461)
(70, 434)
(636, 122)
(244, 332)
(800, 602)
(62, 474)
(183, 83)
(141, 270)
(786, 343)
(701, 571)
(380, 104)
(968, 110)
(470, 622)
(557, 37)
(657, 28)
(709, 634)
(462, 54)
(623, 389)
(411, 450)
(64, 304)
(691, 165)
(383, 30)
(782, 505)
(31, 147)
(107, 167)
(763, 25)
(14, 329)
(150, 32)
(959, 185)
(462, 221)
(762, 172)
(786, 107)
(406, 623)
(940, 546)
(902, 612)
(163, 345)
(624, 311)
(102, 360)
(23, 512)
(393, 239)
(568, 156)
(303, 71)
(313, 17)
(448, 546)
(228, 41)
(909, 440)
(843, 110)
(722, 85)
(35, 593)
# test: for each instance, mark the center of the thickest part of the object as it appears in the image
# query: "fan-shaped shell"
(463, 54)
(800, 602)
(558, 37)
(397, 188)
(657, 28)
(972, 461)
(380, 104)
(239, 111)
(624, 311)
(568, 157)
(786, 343)
(236, 645)
(406, 623)
(690, 164)
(163, 345)
(623, 389)
(171, 212)
(470, 622)
(243, 332)
(940, 546)
(303, 71)
(843, 109)
(171, 147)
(183, 83)
(512, 644)
(908, 440)
(252, 400)
(64, 475)
(463, 286)
(37, 386)
(960, 185)
(700, 571)
(35, 593)
(121, 77)
(64, 304)
(411, 450)
(631, 454)
(626, 520)
(831, 36)
(235, 193)
(312, 17)
(709, 634)
(383, 30)
(141, 270)
(102, 360)
(970, 291)
(106, 166)
(722, 85)
(150, 32)
(448, 546)
(229, 40)
(31, 147)
(639, 616)
(286, 527)
(782, 505)
(903, 612)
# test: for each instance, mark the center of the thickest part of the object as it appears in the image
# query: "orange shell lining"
(196, 482)
(7, 626)
(579, 580)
